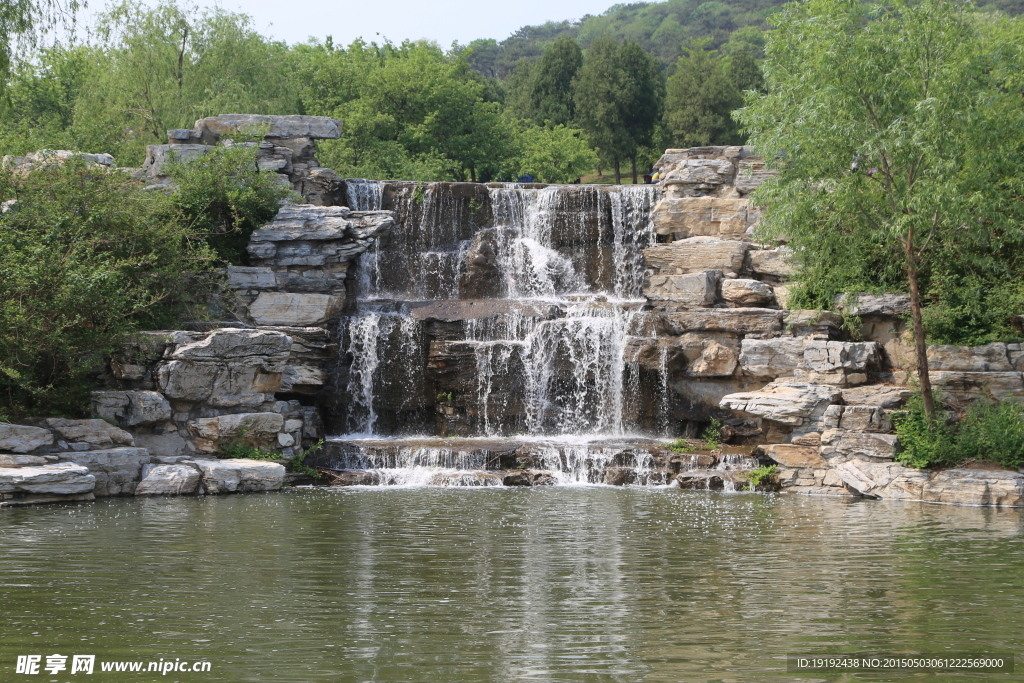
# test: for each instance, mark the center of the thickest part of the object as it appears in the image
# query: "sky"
(443, 21)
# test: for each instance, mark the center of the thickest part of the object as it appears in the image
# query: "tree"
(618, 96)
(902, 155)
(700, 96)
(553, 154)
(411, 111)
(551, 100)
(26, 20)
(166, 67)
(642, 97)
(596, 95)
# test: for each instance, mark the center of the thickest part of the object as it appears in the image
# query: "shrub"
(680, 445)
(760, 475)
(223, 196)
(87, 256)
(992, 432)
(713, 434)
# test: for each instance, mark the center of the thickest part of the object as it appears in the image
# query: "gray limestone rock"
(117, 471)
(61, 479)
(697, 254)
(764, 321)
(970, 386)
(285, 308)
(771, 358)
(696, 289)
(787, 403)
(167, 444)
(23, 439)
(21, 460)
(98, 434)
(168, 480)
(258, 427)
(232, 343)
(239, 475)
(742, 292)
(862, 304)
(959, 486)
(838, 445)
(291, 126)
(878, 395)
(774, 263)
(146, 408)
(987, 358)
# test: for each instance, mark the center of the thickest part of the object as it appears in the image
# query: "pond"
(464, 585)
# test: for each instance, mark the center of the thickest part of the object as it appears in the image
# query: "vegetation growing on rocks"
(89, 255)
(984, 431)
(897, 163)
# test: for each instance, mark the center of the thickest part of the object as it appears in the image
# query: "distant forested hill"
(661, 28)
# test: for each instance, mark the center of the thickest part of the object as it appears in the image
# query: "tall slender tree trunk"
(919, 341)
(618, 173)
(633, 161)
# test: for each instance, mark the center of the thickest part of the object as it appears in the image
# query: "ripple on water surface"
(559, 584)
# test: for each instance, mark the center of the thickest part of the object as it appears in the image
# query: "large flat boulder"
(284, 308)
(270, 126)
(117, 471)
(22, 438)
(96, 433)
(236, 343)
(684, 217)
(239, 475)
(790, 455)
(696, 289)
(771, 358)
(732, 320)
(258, 428)
(745, 292)
(788, 403)
(863, 304)
(959, 486)
(697, 254)
(839, 445)
(987, 358)
(168, 480)
(970, 386)
(60, 479)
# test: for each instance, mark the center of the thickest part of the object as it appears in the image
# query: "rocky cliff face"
(821, 403)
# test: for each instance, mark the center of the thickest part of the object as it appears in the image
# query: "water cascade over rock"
(498, 311)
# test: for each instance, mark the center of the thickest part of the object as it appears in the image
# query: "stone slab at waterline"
(56, 472)
(891, 481)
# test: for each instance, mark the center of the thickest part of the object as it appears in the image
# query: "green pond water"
(555, 584)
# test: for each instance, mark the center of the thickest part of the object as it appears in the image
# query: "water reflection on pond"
(559, 584)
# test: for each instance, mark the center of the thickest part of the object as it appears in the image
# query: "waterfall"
(633, 231)
(364, 195)
(578, 248)
(385, 366)
(509, 317)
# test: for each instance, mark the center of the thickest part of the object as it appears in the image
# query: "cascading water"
(491, 312)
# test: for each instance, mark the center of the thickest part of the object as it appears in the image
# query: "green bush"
(713, 434)
(680, 445)
(87, 256)
(223, 196)
(760, 475)
(992, 432)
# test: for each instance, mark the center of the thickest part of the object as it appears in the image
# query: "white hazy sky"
(441, 20)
